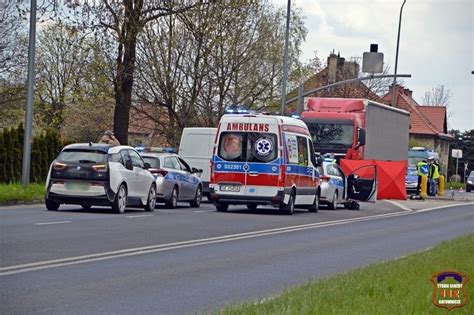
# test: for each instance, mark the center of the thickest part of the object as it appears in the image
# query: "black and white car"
(90, 174)
(337, 188)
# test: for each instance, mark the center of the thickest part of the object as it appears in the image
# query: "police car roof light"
(159, 150)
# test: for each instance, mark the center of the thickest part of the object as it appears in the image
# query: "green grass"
(454, 185)
(16, 192)
(399, 286)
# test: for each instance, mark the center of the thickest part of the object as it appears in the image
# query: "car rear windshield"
(82, 156)
(154, 162)
(248, 147)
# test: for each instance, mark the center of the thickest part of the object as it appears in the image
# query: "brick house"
(428, 124)
(144, 129)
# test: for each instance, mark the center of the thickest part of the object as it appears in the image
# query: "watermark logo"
(449, 289)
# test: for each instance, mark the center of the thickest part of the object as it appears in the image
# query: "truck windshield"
(336, 134)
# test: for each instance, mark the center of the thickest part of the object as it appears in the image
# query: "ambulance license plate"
(229, 188)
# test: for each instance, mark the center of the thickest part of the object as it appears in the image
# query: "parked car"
(470, 182)
(411, 179)
(332, 184)
(91, 174)
(175, 179)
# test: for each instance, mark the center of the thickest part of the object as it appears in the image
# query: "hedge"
(44, 149)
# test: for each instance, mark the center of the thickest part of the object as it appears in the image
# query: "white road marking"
(139, 216)
(15, 269)
(49, 223)
(446, 206)
(399, 205)
(201, 211)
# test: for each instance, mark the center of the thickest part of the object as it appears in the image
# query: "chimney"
(332, 67)
(397, 90)
(351, 70)
(409, 93)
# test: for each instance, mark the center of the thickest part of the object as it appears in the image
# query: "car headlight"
(469, 181)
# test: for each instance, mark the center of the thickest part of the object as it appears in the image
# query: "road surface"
(190, 260)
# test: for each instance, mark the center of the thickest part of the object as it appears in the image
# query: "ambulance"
(264, 160)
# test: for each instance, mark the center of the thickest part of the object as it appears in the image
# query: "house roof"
(140, 122)
(343, 70)
(424, 120)
(437, 116)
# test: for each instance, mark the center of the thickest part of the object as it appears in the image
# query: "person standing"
(422, 169)
(434, 177)
(109, 138)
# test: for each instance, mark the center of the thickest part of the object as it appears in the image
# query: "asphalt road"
(191, 260)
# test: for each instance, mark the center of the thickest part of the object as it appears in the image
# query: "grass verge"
(400, 286)
(11, 193)
(454, 185)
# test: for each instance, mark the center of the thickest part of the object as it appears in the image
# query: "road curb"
(20, 202)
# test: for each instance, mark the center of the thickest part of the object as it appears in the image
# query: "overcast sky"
(436, 42)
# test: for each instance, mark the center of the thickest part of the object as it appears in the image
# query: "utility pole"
(396, 57)
(285, 59)
(25, 173)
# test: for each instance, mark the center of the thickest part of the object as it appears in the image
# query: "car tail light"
(281, 176)
(325, 178)
(158, 172)
(100, 168)
(59, 166)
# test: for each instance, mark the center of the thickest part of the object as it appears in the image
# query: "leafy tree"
(192, 66)
(463, 140)
(122, 23)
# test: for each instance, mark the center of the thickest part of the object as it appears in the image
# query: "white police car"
(91, 174)
(332, 184)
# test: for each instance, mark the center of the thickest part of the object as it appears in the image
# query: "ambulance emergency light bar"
(243, 111)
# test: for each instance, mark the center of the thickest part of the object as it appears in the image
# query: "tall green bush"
(7, 138)
(3, 155)
(16, 154)
(44, 149)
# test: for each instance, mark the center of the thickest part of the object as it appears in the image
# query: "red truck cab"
(337, 126)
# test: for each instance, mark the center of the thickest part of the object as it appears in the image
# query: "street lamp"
(396, 55)
(285, 59)
(25, 173)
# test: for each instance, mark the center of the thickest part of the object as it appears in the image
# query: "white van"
(196, 148)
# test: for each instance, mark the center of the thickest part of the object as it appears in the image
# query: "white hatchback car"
(90, 174)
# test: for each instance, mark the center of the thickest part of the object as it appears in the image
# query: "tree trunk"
(123, 89)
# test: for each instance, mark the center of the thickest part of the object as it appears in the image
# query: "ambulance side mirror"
(317, 161)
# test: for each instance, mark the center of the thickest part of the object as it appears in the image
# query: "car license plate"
(77, 186)
(229, 188)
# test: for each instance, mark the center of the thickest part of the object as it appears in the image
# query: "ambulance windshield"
(248, 147)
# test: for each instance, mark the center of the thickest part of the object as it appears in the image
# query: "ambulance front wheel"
(222, 207)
